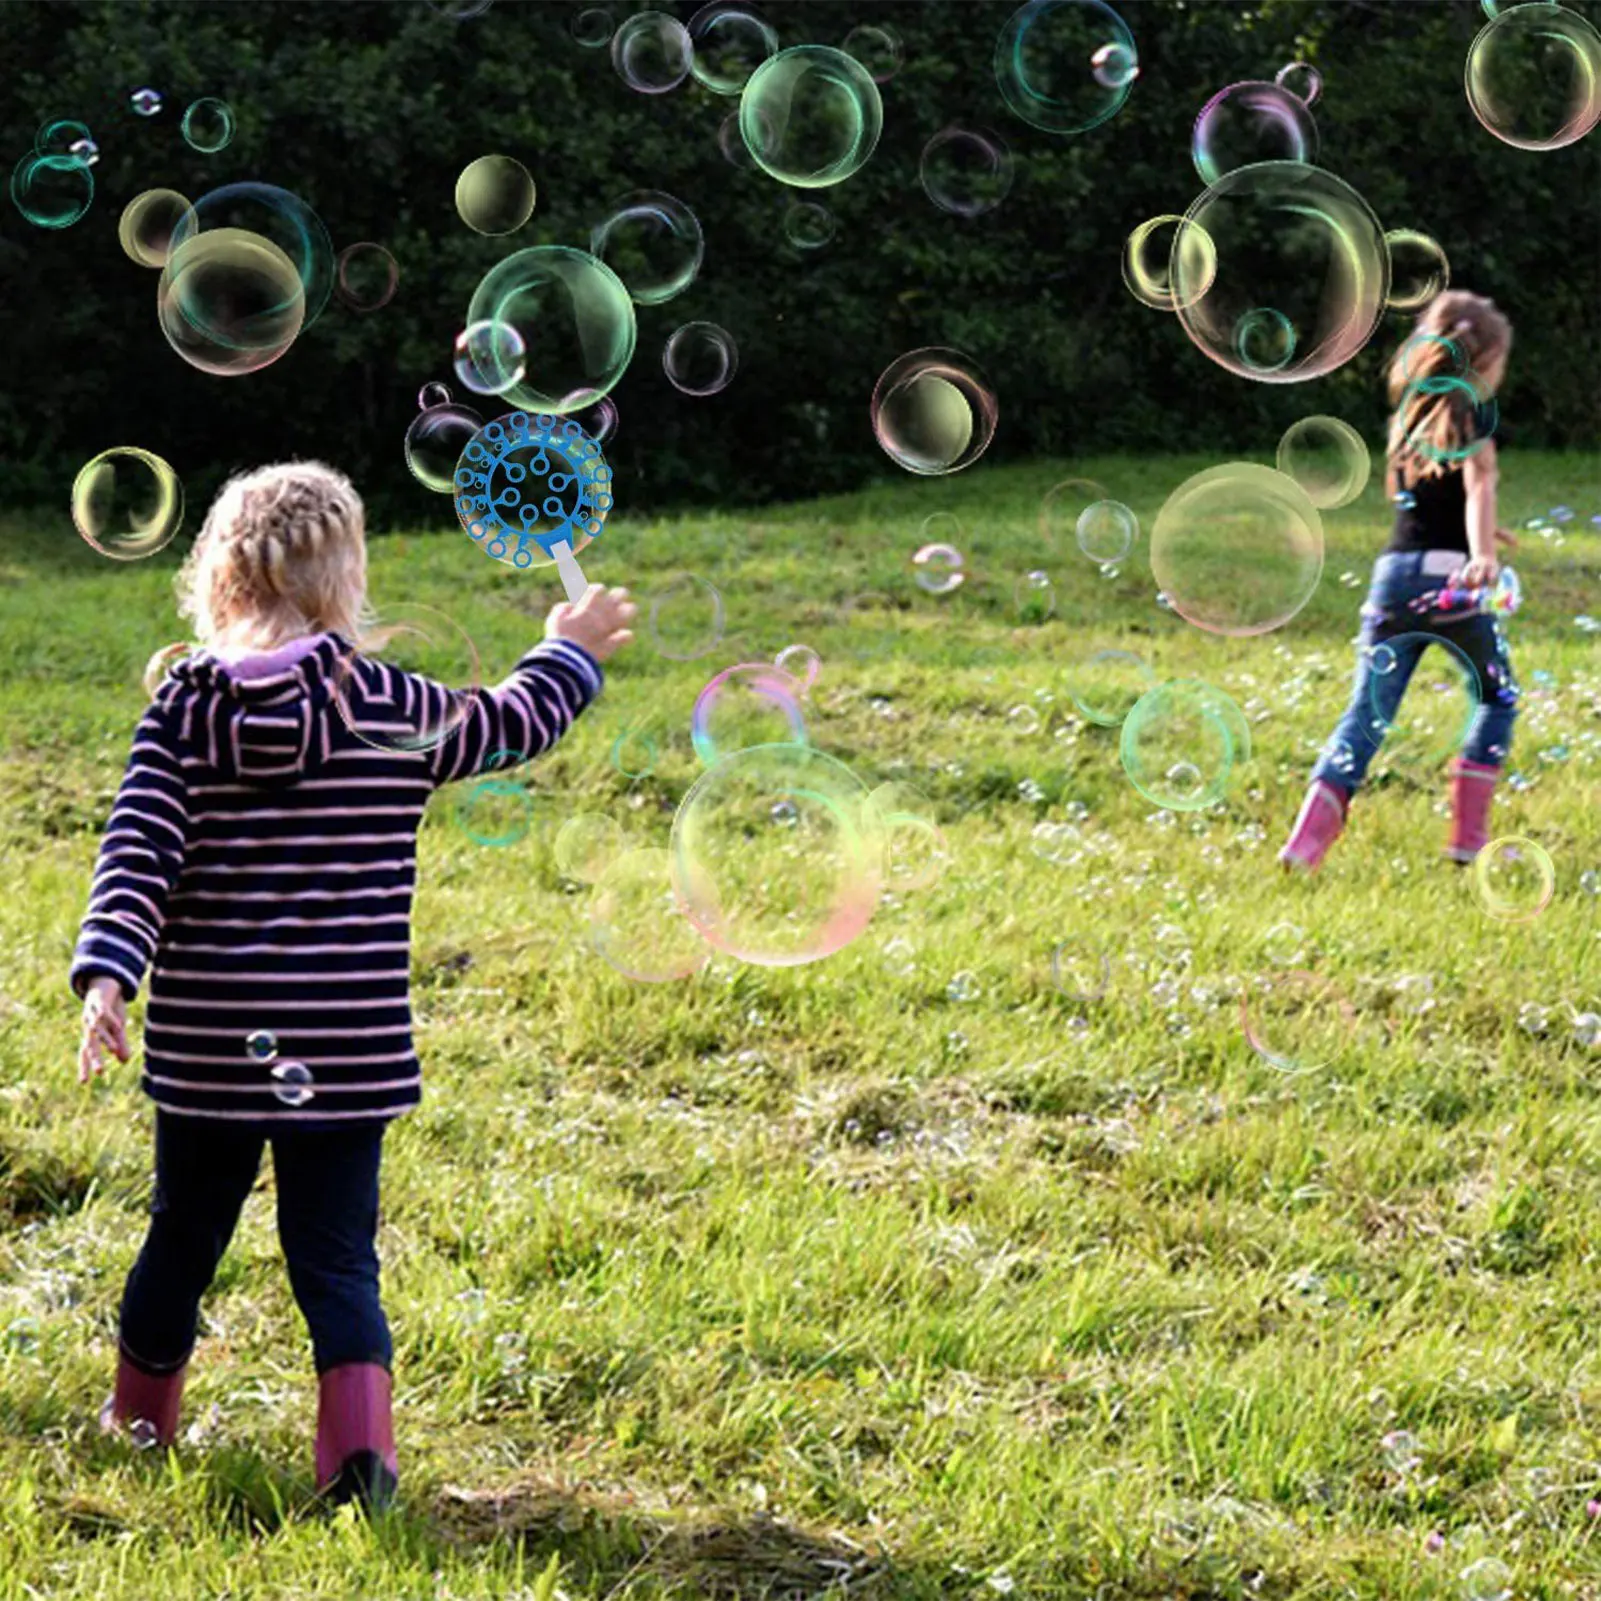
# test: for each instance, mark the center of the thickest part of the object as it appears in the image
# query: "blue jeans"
(327, 1181)
(1390, 621)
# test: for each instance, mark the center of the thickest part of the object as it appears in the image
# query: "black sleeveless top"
(1432, 513)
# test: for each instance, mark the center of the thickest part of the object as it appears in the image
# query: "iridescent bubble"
(685, 617)
(1148, 254)
(1418, 269)
(933, 411)
(634, 753)
(637, 921)
(1106, 531)
(58, 136)
(52, 191)
(490, 358)
(652, 242)
(1237, 549)
(1080, 970)
(434, 443)
(1328, 458)
(1251, 122)
(84, 150)
(811, 116)
(1534, 76)
(700, 358)
(1284, 945)
(1292, 249)
(938, 568)
(432, 394)
(1034, 597)
(802, 663)
(652, 52)
(1301, 79)
(730, 43)
(1514, 878)
(261, 1045)
(145, 102)
(574, 317)
(966, 171)
(442, 662)
(808, 226)
(1425, 355)
(1114, 66)
(1488, 1579)
(754, 704)
(147, 224)
(586, 845)
(162, 662)
(598, 421)
(1475, 417)
(292, 1083)
(777, 855)
(1106, 685)
(731, 142)
(127, 503)
(1175, 746)
(915, 850)
(495, 195)
(591, 27)
(493, 811)
(1442, 700)
(1297, 1022)
(208, 126)
(366, 276)
(1047, 68)
(878, 47)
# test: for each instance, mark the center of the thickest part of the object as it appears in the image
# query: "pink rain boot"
(1472, 790)
(1319, 825)
(144, 1404)
(355, 1435)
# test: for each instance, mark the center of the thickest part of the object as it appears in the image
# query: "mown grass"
(818, 1280)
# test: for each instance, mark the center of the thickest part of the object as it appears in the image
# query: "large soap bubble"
(127, 503)
(933, 411)
(730, 44)
(653, 242)
(1328, 458)
(1534, 76)
(1251, 122)
(811, 116)
(1294, 267)
(652, 52)
(778, 855)
(230, 301)
(1065, 66)
(1176, 747)
(1237, 549)
(574, 319)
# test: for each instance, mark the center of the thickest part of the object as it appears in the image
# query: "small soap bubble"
(144, 1434)
(1114, 65)
(208, 125)
(1080, 971)
(1106, 531)
(366, 276)
(490, 357)
(261, 1045)
(431, 395)
(145, 102)
(1302, 80)
(634, 753)
(86, 150)
(1035, 596)
(933, 411)
(966, 171)
(1488, 1579)
(808, 225)
(1587, 1030)
(495, 195)
(700, 359)
(1023, 720)
(963, 987)
(591, 27)
(877, 47)
(292, 1083)
(801, 662)
(1284, 945)
(1402, 1452)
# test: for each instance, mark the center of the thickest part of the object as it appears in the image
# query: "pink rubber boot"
(356, 1435)
(1472, 790)
(1318, 826)
(144, 1404)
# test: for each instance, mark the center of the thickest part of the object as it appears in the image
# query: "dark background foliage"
(368, 111)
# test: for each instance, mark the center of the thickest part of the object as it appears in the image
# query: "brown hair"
(1458, 334)
(283, 553)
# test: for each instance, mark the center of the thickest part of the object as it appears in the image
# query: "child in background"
(260, 859)
(1442, 477)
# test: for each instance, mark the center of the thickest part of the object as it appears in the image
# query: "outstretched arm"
(1480, 475)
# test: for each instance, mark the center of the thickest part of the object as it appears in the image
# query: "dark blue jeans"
(1395, 633)
(327, 1181)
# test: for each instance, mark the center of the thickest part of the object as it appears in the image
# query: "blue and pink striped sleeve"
(141, 855)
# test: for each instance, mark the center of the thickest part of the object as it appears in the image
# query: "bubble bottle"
(1500, 599)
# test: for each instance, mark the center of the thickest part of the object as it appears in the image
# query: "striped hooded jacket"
(260, 861)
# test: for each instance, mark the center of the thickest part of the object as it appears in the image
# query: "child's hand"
(599, 622)
(105, 1022)
(1479, 573)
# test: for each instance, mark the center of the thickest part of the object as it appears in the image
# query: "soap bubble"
(127, 503)
(915, 851)
(1328, 458)
(58, 136)
(685, 618)
(434, 443)
(84, 150)
(729, 45)
(652, 242)
(261, 1045)
(1423, 354)
(1477, 416)
(637, 922)
(433, 394)
(1175, 746)
(811, 116)
(1237, 549)
(1062, 507)
(1514, 879)
(1534, 76)
(1292, 253)
(777, 856)
(1147, 258)
(802, 663)
(933, 411)
(1251, 122)
(1106, 531)
(366, 276)
(1034, 597)
(495, 195)
(208, 126)
(652, 52)
(634, 753)
(938, 568)
(967, 171)
(1301, 79)
(428, 646)
(878, 47)
(162, 662)
(493, 811)
(591, 27)
(1046, 64)
(1284, 945)
(809, 226)
(1488, 1579)
(1079, 969)
(586, 845)
(575, 320)
(756, 703)
(52, 191)
(1441, 701)
(147, 223)
(732, 143)
(700, 358)
(1106, 684)
(1418, 269)
(145, 102)
(490, 358)
(599, 421)
(1296, 1021)
(292, 1083)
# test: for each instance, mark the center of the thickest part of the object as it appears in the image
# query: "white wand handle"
(571, 574)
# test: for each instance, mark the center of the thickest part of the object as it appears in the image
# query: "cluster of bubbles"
(292, 1083)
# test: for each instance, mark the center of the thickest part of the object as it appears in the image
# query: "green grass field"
(820, 1280)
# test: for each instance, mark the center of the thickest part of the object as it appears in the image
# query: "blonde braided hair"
(282, 554)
